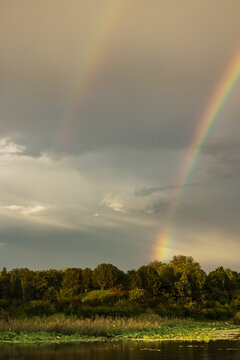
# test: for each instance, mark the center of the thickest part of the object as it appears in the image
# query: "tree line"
(178, 288)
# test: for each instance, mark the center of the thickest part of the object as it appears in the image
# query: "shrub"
(38, 307)
(236, 318)
(61, 305)
(102, 297)
(92, 299)
(20, 313)
(218, 312)
(76, 302)
(137, 296)
(4, 314)
(193, 310)
(171, 309)
(3, 304)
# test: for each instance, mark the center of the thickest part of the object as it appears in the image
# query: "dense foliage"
(178, 288)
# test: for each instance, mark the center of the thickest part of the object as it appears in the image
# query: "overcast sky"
(99, 101)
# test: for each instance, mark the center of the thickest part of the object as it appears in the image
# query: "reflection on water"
(218, 350)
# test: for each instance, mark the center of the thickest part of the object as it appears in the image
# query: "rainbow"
(201, 135)
(88, 65)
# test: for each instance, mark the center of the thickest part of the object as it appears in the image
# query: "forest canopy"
(178, 288)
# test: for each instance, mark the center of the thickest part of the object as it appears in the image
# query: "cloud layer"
(90, 155)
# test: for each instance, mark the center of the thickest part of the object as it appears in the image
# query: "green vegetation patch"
(61, 328)
(179, 288)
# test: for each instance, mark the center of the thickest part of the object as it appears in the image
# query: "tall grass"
(99, 326)
(148, 326)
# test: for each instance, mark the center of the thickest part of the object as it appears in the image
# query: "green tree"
(222, 285)
(46, 278)
(29, 290)
(17, 291)
(51, 295)
(156, 264)
(188, 272)
(184, 290)
(134, 280)
(107, 276)
(168, 278)
(72, 281)
(5, 284)
(150, 280)
(87, 283)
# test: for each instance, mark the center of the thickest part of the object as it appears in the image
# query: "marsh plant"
(146, 326)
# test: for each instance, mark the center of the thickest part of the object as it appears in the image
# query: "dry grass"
(147, 326)
(93, 327)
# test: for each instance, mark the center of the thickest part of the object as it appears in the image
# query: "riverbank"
(146, 327)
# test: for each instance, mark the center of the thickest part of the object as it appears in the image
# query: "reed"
(100, 326)
(145, 326)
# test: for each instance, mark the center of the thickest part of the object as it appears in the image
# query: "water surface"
(214, 350)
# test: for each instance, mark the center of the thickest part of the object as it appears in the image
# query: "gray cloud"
(111, 137)
(222, 147)
(146, 191)
(141, 90)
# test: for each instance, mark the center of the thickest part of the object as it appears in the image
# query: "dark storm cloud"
(101, 150)
(146, 191)
(42, 247)
(148, 91)
(38, 117)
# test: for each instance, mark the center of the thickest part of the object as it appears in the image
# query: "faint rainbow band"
(88, 65)
(206, 124)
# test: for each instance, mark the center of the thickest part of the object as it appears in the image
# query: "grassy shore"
(146, 327)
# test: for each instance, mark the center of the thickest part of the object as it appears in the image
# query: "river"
(214, 350)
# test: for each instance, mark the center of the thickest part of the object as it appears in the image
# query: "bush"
(38, 308)
(20, 313)
(218, 312)
(112, 295)
(137, 296)
(193, 310)
(125, 308)
(102, 297)
(4, 314)
(76, 302)
(236, 318)
(122, 308)
(62, 305)
(91, 299)
(3, 304)
(171, 309)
